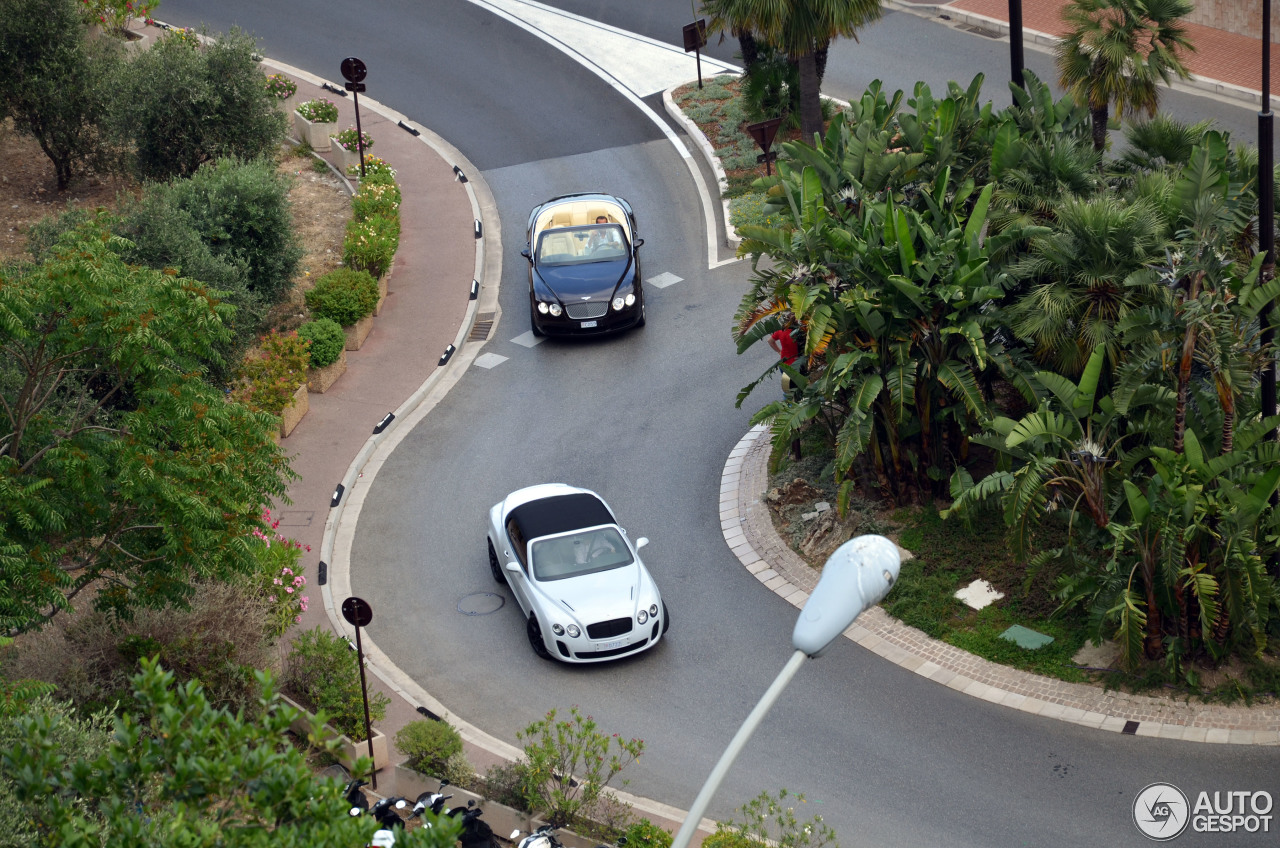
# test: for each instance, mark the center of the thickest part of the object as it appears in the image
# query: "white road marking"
(488, 360)
(666, 278)
(528, 339)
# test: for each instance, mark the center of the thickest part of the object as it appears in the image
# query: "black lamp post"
(1015, 41)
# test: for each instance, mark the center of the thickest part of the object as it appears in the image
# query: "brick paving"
(1222, 60)
(748, 530)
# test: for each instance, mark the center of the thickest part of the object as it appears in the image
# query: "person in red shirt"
(784, 345)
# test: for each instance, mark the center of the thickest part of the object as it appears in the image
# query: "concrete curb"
(703, 144)
(748, 531)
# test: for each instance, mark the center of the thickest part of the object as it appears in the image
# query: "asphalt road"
(647, 419)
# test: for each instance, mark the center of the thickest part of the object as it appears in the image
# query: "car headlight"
(557, 629)
(642, 616)
(630, 299)
(574, 631)
(653, 610)
(621, 302)
(554, 309)
(542, 307)
(618, 303)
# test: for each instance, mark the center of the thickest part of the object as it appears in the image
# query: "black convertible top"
(559, 514)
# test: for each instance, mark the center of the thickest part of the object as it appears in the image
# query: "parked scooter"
(432, 802)
(475, 833)
(387, 812)
(543, 837)
(357, 804)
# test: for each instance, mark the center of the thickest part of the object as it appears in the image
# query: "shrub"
(377, 170)
(429, 745)
(370, 245)
(241, 211)
(322, 674)
(56, 84)
(319, 111)
(281, 87)
(769, 820)
(575, 747)
(344, 296)
(278, 577)
(375, 198)
(114, 15)
(327, 341)
(511, 784)
(89, 655)
(646, 834)
(179, 108)
(350, 139)
(271, 376)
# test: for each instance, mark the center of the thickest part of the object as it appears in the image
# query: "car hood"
(597, 597)
(593, 280)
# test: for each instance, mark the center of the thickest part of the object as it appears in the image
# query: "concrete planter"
(289, 104)
(315, 134)
(349, 750)
(294, 411)
(348, 160)
(320, 379)
(358, 332)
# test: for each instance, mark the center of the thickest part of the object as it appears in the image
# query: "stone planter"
(289, 104)
(358, 332)
(315, 134)
(320, 379)
(136, 42)
(349, 750)
(294, 411)
(348, 159)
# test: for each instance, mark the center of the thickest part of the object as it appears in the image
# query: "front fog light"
(542, 307)
(555, 310)
(557, 629)
(574, 631)
(617, 304)
(642, 616)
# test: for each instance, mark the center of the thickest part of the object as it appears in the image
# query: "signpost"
(695, 38)
(358, 613)
(354, 71)
(764, 132)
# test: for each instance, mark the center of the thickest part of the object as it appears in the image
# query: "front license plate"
(586, 324)
(609, 646)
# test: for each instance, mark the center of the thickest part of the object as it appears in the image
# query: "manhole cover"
(480, 603)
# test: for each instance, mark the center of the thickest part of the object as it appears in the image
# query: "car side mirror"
(638, 243)
(513, 566)
(526, 254)
(641, 542)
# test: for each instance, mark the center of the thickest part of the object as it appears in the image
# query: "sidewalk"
(1224, 63)
(450, 237)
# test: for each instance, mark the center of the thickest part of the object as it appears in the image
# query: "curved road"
(647, 419)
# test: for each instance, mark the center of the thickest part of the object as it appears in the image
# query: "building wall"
(1243, 17)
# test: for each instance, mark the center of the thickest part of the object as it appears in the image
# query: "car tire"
(534, 632)
(533, 326)
(494, 566)
(666, 618)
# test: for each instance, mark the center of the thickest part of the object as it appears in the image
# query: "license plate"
(586, 324)
(609, 646)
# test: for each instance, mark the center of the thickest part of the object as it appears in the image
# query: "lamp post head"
(857, 576)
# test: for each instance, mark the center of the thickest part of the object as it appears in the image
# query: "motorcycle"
(431, 801)
(543, 837)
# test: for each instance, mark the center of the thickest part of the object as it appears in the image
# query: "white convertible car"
(578, 578)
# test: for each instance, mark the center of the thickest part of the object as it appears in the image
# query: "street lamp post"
(1267, 231)
(857, 576)
(1015, 42)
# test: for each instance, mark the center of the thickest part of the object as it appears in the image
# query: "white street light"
(857, 576)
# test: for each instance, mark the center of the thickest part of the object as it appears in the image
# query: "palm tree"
(1120, 51)
(803, 29)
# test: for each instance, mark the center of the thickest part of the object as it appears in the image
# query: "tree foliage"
(121, 468)
(179, 772)
(180, 107)
(56, 84)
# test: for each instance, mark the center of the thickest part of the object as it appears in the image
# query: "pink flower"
(277, 582)
(297, 619)
(289, 589)
(286, 570)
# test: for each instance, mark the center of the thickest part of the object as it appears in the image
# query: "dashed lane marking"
(488, 360)
(663, 280)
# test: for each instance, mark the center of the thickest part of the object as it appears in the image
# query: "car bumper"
(582, 650)
(611, 322)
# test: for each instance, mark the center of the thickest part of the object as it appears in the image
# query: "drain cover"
(480, 603)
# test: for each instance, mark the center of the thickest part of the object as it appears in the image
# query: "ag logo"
(1161, 811)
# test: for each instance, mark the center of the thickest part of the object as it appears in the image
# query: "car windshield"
(578, 553)
(574, 245)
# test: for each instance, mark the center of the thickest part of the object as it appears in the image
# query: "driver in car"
(605, 237)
